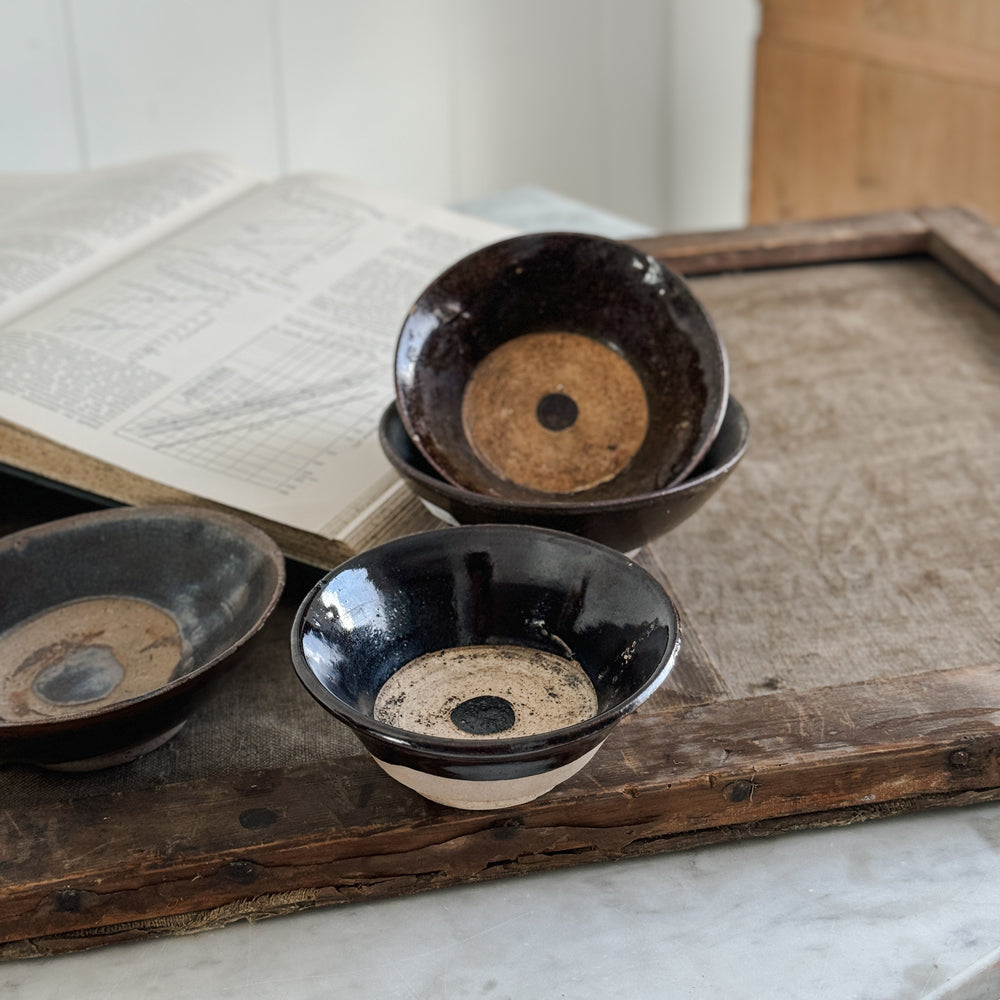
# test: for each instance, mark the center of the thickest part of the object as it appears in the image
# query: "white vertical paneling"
(634, 101)
(366, 88)
(159, 76)
(37, 124)
(711, 60)
(528, 106)
(641, 107)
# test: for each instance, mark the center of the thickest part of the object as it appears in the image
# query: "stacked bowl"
(566, 381)
(564, 398)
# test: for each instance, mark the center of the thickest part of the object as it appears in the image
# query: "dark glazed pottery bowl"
(625, 523)
(481, 666)
(111, 622)
(560, 364)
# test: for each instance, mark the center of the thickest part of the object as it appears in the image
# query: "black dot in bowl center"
(556, 411)
(483, 715)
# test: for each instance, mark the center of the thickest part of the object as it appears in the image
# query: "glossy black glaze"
(625, 523)
(485, 584)
(216, 576)
(580, 284)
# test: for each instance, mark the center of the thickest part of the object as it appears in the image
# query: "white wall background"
(641, 107)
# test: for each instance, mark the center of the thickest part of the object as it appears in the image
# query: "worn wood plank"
(958, 237)
(264, 842)
(866, 237)
(968, 246)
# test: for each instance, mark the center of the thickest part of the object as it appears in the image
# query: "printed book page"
(247, 358)
(57, 230)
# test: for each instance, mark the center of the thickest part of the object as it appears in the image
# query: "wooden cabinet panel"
(867, 105)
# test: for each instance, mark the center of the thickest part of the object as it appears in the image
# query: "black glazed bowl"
(560, 364)
(111, 623)
(478, 591)
(624, 523)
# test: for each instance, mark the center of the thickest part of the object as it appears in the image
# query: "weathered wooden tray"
(839, 598)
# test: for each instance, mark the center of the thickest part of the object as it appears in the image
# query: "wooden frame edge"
(930, 738)
(958, 238)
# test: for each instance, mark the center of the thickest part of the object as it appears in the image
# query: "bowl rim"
(703, 440)
(34, 728)
(520, 748)
(568, 507)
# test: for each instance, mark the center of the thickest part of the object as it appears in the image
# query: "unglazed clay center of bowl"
(91, 652)
(555, 412)
(486, 692)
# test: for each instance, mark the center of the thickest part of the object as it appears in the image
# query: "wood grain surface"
(864, 106)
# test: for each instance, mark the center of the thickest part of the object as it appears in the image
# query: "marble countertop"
(906, 908)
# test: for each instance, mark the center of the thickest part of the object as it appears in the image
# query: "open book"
(177, 330)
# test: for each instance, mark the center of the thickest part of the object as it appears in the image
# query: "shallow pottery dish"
(560, 364)
(624, 523)
(481, 666)
(112, 621)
